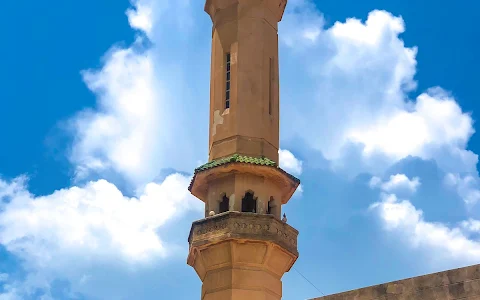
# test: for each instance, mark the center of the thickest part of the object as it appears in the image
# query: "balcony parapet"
(243, 226)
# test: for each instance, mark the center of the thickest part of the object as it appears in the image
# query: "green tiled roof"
(236, 158)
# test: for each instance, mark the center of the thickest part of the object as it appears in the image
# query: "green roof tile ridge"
(236, 158)
(241, 159)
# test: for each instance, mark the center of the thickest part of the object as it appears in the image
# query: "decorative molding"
(251, 226)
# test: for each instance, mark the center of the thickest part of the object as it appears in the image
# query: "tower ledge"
(243, 226)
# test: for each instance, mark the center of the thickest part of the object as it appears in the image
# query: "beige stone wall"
(455, 284)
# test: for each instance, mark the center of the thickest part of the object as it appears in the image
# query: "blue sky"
(105, 115)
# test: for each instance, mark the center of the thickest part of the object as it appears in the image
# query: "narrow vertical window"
(227, 82)
(270, 84)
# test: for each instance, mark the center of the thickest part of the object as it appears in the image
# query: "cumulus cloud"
(65, 234)
(443, 243)
(435, 121)
(125, 132)
(95, 218)
(356, 98)
(138, 126)
(289, 162)
(357, 78)
(396, 183)
(356, 111)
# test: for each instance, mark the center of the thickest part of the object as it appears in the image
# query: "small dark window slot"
(224, 204)
(227, 82)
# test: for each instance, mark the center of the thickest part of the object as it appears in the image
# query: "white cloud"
(140, 17)
(355, 105)
(396, 183)
(467, 187)
(289, 162)
(361, 76)
(126, 130)
(96, 219)
(65, 234)
(154, 17)
(443, 243)
(471, 226)
(139, 125)
(301, 28)
(354, 98)
(434, 121)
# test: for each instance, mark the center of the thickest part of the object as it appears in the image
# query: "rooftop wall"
(463, 283)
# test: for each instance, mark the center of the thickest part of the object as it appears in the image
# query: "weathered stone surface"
(246, 31)
(243, 226)
(463, 283)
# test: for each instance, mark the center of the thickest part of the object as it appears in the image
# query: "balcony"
(243, 226)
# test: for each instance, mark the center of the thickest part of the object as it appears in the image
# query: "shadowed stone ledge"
(243, 226)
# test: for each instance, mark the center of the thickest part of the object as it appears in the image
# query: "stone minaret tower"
(243, 246)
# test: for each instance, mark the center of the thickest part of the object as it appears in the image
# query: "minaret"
(242, 248)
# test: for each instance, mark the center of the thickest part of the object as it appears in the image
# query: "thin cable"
(309, 281)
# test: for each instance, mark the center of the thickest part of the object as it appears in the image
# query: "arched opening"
(249, 204)
(224, 204)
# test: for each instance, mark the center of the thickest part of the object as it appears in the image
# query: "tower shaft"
(244, 91)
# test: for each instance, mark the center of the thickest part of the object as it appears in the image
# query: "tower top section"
(244, 83)
(277, 7)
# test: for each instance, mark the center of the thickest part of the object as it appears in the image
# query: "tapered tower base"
(242, 255)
